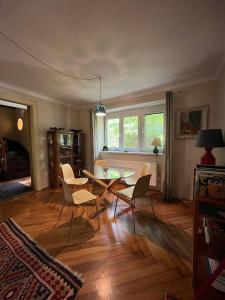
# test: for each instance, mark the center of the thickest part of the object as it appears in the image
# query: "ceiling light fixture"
(100, 108)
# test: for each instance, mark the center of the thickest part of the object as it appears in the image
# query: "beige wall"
(7, 122)
(185, 155)
(8, 126)
(220, 121)
(51, 115)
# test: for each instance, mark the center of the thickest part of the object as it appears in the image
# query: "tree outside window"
(153, 128)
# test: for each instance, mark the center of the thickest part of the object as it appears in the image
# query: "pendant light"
(100, 108)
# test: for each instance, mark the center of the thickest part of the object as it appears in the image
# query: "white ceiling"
(133, 44)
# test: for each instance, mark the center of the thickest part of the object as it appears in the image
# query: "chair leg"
(71, 221)
(133, 220)
(115, 207)
(153, 209)
(60, 213)
(98, 214)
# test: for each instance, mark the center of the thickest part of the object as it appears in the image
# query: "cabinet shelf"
(207, 208)
(204, 273)
(212, 218)
(211, 201)
(205, 249)
(63, 147)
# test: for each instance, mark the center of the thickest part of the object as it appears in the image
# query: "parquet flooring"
(114, 263)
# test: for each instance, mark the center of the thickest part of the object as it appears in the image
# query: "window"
(130, 132)
(113, 133)
(153, 127)
(134, 130)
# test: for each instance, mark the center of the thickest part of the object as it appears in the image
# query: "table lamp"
(209, 139)
(157, 143)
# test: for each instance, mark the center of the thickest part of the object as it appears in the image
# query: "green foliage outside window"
(130, 127)
(113, 133)
(153, 128)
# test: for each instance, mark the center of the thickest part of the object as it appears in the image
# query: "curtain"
(93, 136)
(97, 135)
(168, 149)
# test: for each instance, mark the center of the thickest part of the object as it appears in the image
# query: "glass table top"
(112, 172)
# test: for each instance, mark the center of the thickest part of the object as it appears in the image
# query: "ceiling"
(133, 44)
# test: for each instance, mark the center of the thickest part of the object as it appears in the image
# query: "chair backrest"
(101, 163)
(146, 170)
(142, 186)
(68, 198)
(67, 171)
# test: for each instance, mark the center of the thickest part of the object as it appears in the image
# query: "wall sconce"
(19, 124)
(20, 119)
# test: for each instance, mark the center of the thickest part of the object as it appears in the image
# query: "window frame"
(129, 113)
(150, 149)
(106, 132)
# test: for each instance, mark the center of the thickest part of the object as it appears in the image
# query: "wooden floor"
(114, 263)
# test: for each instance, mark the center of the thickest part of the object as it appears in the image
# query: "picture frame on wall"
(190, 120)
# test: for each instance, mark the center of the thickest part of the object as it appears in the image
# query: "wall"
(23, 136)
(185, 155)
(51, 115)
(7, 126)
(221, 112)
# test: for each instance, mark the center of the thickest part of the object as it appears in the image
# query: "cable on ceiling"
(44, 63)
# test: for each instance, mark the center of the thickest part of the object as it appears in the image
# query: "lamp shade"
(100, 110)
(210, 138)
(156, 142)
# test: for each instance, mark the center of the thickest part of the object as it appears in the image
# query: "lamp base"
(156, 150)
(208, 158)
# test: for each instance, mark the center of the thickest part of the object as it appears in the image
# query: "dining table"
(107, 177)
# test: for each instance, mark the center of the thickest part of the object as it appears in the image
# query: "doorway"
(15, 150)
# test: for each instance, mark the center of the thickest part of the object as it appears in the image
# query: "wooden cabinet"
(207, 246)
(79, 152)
(64, 147)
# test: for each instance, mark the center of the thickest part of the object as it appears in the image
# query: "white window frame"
(129, 113)
(106, 132)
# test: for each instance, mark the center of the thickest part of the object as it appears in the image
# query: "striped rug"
(28, 272)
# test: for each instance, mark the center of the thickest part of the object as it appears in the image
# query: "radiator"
(137, 165)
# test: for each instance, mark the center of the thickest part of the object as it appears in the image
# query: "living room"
(147, 66)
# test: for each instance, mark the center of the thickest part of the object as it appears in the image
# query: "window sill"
(133, 153)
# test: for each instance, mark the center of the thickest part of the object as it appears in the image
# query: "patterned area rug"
(28, 272)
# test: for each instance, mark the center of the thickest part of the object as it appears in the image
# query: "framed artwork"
(189, 121)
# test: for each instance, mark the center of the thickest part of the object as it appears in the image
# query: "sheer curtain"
(97, 125)
(168, 149)
(93, 135)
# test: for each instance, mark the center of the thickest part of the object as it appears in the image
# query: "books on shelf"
(219, 282)
(209, 175)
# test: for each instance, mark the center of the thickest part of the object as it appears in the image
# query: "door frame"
(35, 166)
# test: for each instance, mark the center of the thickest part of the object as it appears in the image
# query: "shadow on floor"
(82, 231)
(167, 236)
